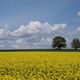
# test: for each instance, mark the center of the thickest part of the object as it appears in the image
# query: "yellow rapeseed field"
(39, 65)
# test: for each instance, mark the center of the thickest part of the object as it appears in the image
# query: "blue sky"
(17, 15)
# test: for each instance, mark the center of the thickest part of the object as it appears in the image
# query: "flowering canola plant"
(39, 65)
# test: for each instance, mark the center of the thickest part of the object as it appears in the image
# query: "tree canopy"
(59, 42)
(75, 43)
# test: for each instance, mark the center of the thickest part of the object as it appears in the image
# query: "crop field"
(39, 65)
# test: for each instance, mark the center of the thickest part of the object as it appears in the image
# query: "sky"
(32, 24)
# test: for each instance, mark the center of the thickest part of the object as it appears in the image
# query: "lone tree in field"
(75, 43)
(59, 42)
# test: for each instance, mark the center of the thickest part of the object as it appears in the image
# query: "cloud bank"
(34, 35)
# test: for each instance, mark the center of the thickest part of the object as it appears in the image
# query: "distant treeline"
(40, 50)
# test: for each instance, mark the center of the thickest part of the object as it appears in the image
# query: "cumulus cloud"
(26, 44)
(34, 35)
(4, 31)
(36, 27)
(4, 35)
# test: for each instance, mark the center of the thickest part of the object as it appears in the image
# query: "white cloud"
(36, 27)
(23, 43)
(35, 35)
(59, 26)
(4, 31)
(78, 13)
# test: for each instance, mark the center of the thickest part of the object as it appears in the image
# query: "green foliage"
(59, 42)
(75, 43)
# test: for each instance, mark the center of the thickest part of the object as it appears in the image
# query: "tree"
(75, 43)
(59, 42)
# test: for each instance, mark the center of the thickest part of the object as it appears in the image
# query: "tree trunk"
(59, 48)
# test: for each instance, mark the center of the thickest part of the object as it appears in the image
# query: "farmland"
(39, 65)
